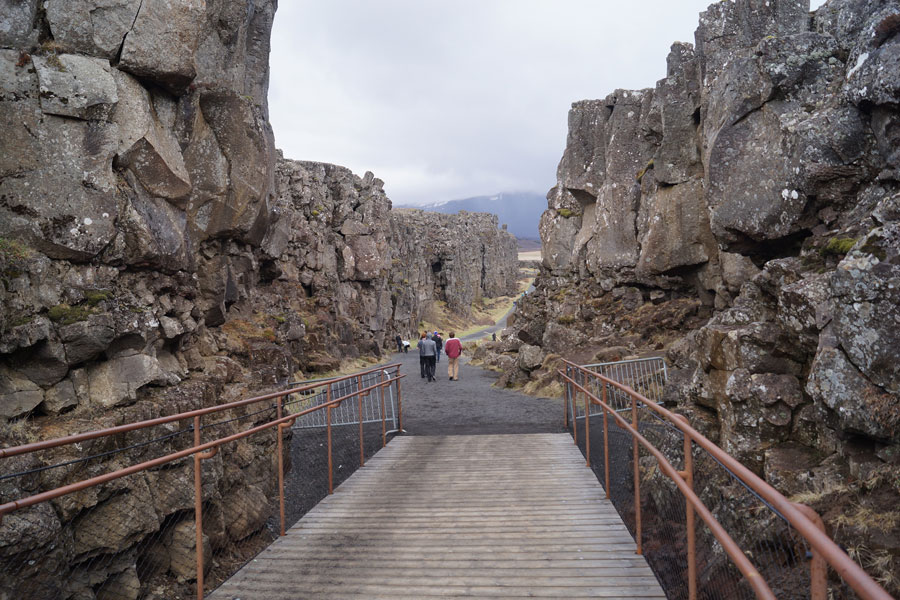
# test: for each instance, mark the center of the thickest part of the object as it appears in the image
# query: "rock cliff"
(743, 216)
(158, 255)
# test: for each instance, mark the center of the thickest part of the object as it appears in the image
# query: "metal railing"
(775, 535)
(92, 473)
(348, 413)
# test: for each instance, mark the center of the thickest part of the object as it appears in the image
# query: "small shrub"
(566, 319)
(566, 213)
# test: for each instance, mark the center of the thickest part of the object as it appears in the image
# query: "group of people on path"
(430, 347)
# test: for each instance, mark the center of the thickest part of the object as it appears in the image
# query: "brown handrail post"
(198, 510)
(279, 432)
(359, 396)
(575, 415)
(587, 430)
(399, 403)
(383, 416)
(637, 476)
(818, 568)
(688, 476)
(605, 441)
(566, 401)
(328, 427)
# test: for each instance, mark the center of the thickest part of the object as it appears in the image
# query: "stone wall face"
(743, 215)
(451, 258)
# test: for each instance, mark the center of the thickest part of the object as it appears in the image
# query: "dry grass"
(348, 367)
(820, 492)
(879, 564)
(863, 519)
(485, 312)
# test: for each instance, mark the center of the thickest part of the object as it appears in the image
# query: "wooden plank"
(505, 516)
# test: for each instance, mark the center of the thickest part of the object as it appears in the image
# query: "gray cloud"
(444, 100)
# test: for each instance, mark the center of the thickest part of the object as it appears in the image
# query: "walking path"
(470, 405)
(488, 516)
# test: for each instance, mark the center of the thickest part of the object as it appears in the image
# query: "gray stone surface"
(161, 43)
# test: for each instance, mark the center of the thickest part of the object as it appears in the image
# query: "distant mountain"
(520, 211)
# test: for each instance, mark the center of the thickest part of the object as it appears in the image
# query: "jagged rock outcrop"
(743, 216)
(158, 256)
(454, 259)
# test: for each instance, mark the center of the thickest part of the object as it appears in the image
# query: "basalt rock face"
(454, 259)
(743, 215)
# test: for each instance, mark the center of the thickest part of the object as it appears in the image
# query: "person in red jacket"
(453, 348)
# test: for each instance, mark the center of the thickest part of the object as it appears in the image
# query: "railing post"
(818, 568)
(637, 475)
(328, 428)
(574, 398)
(605, 440)
(198, 510)
(688, 476)
(383, 416)
(359, 396)
(399, 403)
(279, 412)
(566, 398)
(587, 430)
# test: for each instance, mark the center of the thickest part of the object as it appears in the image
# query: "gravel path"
(470, 405)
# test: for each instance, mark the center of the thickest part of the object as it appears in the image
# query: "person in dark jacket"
(427, 351)
(421, 355)
(439, 342)
(399, 341)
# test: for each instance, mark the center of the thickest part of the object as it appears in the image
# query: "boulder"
(60, 397)
(867, 306)
(17, 23)
(530, 357)
(85, 340)
(124, 585)
(146, 146)
(181, 546)
(117, 381)
(116, 523)
(18, 394)
(91, 27)
(860, 406)
(162, 41)
(677, 230)
(246, 509)
(76, 86)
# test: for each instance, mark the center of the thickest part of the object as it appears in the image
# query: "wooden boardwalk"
(490, 516)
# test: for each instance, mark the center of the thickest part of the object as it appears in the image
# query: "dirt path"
(470, 405)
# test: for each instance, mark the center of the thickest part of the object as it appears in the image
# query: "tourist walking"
(422, 360)
(439, 343)
(453, 348)
(427, 351)
(399, 341)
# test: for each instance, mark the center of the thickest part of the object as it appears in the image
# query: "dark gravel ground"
(470, 405)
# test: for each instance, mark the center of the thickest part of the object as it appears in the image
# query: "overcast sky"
(449, 99)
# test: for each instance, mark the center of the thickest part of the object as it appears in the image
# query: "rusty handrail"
(731, 548)
(819, 541)
(149, 464)
(90, 435)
